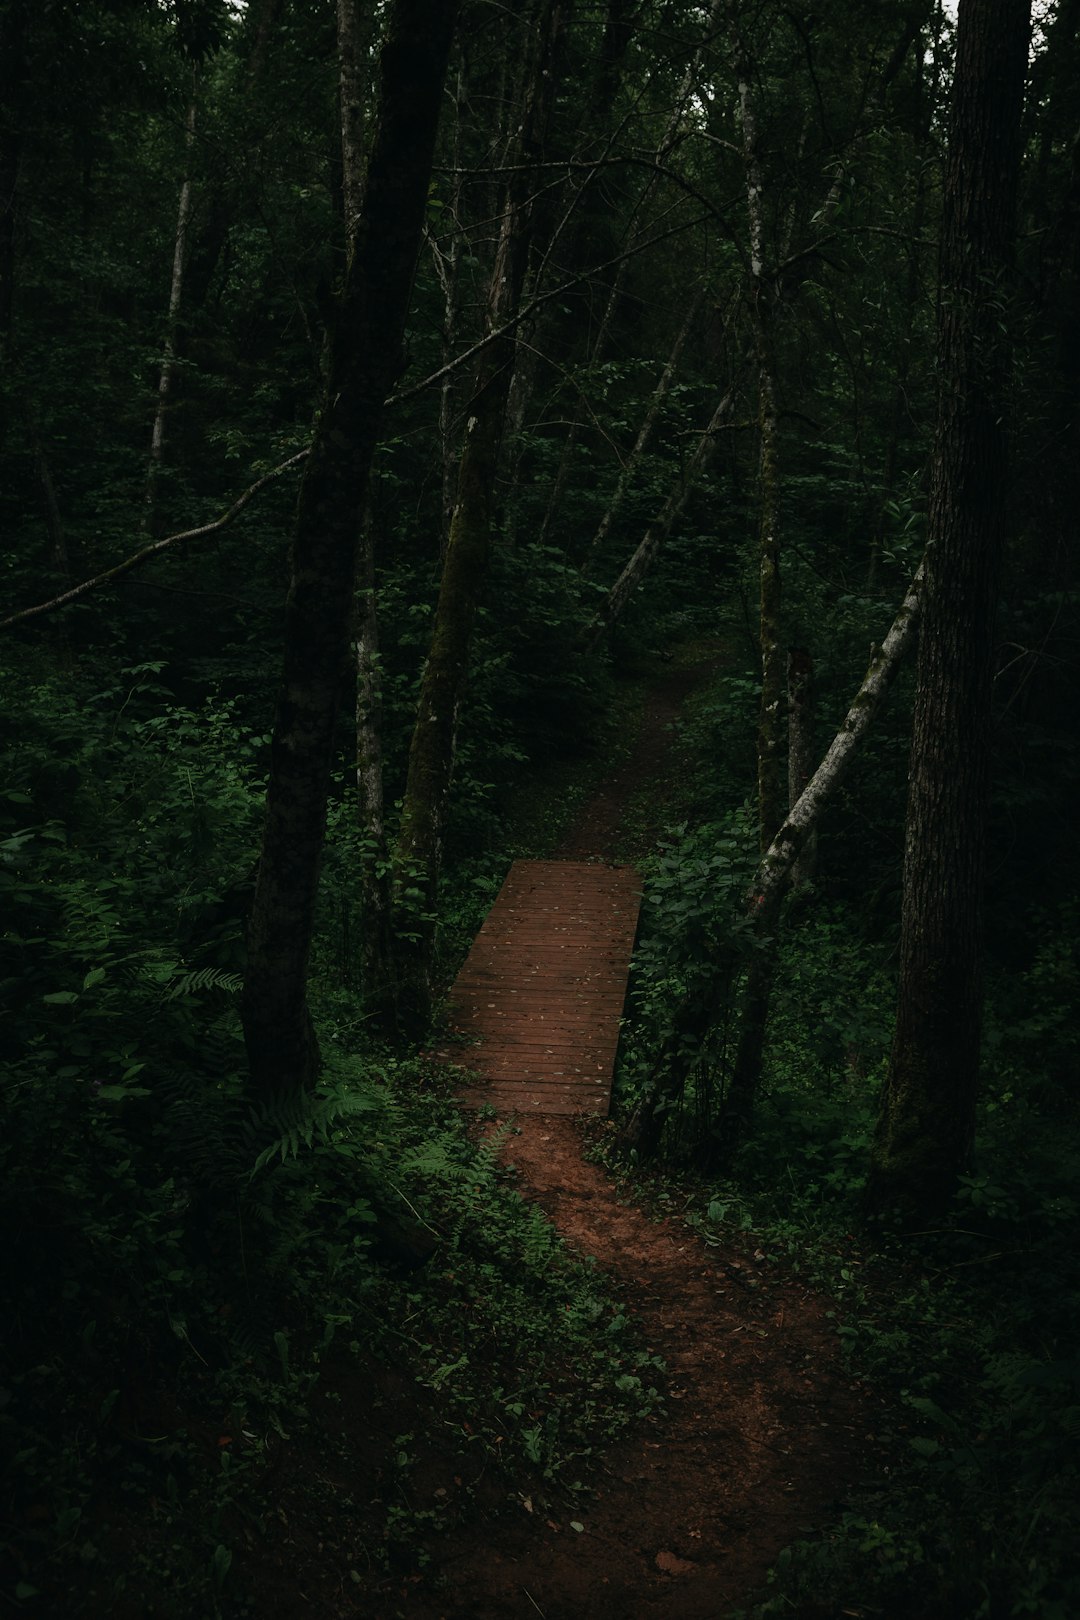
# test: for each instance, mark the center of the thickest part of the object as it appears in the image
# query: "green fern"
(299, 1122)
(194, 981)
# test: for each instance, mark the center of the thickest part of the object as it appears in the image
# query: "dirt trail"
(763, 1430)
(761, 1434)
(600, 825)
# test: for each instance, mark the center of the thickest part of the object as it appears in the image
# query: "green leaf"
(220, 1564)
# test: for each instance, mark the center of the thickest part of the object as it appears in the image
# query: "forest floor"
(762, 1432)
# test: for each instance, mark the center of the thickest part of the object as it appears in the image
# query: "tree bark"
(693, 1020)
(365, 361)
(12, 68)
(354, 25)
(926, 1125)
(418, 857)
(801, 750)
(176, 293)
(376, 956)
(757, 991)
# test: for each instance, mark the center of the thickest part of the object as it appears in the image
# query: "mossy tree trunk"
(926, 1125)
(771, 784)
(418, 855)
(364, 362)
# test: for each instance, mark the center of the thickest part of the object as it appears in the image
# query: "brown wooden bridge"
(542, 989)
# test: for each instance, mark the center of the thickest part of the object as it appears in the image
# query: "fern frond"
(194, 981)
(302, 1121)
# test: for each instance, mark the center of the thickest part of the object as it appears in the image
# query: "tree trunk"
(447, 266)
(926, 1126)
(418, 857)
(757, 992)
(693, 1020)
(376, 963)
(176, 293)
(365, 361)
(12, 69)
(354, 25)
(801, 753)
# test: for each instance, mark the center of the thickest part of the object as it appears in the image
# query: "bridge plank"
(541, 992)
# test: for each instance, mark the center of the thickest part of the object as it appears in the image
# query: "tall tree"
(432, 750)
(925, 1131)
(176, 292)
(365, 360)
(13, 27)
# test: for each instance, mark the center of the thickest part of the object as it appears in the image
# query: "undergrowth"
(966, 1328)
(190, 1275)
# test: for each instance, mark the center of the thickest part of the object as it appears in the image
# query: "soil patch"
(600, 832)
(761, 1435)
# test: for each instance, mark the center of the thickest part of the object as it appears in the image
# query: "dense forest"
(415, 417)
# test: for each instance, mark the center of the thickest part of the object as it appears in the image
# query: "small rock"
(671, 1564)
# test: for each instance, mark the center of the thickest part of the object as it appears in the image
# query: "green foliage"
(694, 942)
(176, 1254)
(183, 1262)
(967, 1330)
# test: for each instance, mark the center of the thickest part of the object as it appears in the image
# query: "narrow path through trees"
(763, 1430)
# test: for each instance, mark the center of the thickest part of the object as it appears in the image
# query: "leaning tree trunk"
(926, 1126)
(801, 753)
(418, 857)
(365, 360)
(376, 946)
(354, 26)
(694, 1019)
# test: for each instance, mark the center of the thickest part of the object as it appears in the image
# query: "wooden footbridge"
(542, 989)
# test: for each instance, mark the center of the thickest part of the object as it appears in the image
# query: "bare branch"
(155, 550)
(534, 304)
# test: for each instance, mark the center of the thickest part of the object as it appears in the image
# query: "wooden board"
(539, 998)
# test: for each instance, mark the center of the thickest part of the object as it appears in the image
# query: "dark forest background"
(675, 390)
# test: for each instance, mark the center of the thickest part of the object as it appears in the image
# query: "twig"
(541, 298)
